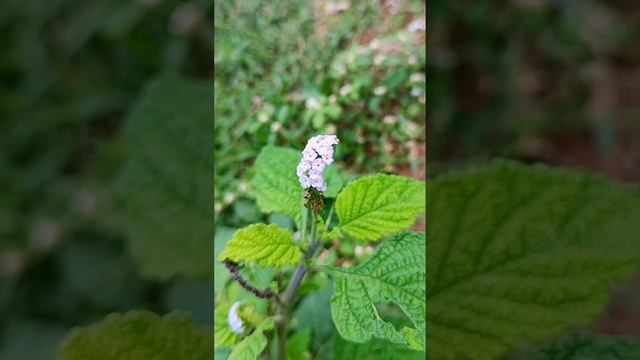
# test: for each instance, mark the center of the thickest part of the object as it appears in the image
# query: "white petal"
(233, 320)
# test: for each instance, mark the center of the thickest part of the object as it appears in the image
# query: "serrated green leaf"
(591, 347)
(395, 272)
(298, 344)
(374, 349)
(222, 335)
(251, 346)
(519, 253)
(139, 335)
(377, 205)
(267, 245)
(167, 179)
(276, 185)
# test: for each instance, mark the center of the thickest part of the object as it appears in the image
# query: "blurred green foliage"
(289, 69)
(510, 78)
(70, 72)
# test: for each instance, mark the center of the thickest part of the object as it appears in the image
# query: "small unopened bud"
(380, 90)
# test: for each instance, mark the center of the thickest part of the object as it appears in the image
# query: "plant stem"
(290, 292)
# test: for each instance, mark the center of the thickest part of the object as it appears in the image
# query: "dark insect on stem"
(234, 269)
(314, 200)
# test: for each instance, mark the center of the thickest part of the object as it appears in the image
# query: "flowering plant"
(305, 187)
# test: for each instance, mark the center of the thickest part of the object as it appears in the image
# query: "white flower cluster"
(316, 156)
(233, 319)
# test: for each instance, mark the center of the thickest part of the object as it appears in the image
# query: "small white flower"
(229, 198)
(315, 157)
(412, 60)
(305, 182)
(312, 103)
(359, 250)
(217, 207)
(417, 77)
(379, 59)
(368, 250)
(422, 99)
(233, 319)
(318, 165)
(389, 119)
(380, 90)
(276, 127)
(263, 118)
(346, 90)
(331, 129)
(375, 44)
(243, 187)
(309, 154)
(415, 92)
(417, 25)
(332, 99)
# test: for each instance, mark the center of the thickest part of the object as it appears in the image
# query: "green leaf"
(251, 346)
(139, 335)
(374, 349)
(276, 185)
(298, 344)
(377, 205)
(395, 272)
(267, 245)
(222, 335)
(520, 253)
(591, 347)
(167, 179)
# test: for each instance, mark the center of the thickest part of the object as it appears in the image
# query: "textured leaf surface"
(139, 335)
(377, 205)
(521, 253)
(251, 346)
(591, 347)
(276, 185)
(373, 349)
(267, 245)
(167, 179)
(395, 272)
(222, 335)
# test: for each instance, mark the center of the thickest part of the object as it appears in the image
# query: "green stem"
(289, 295)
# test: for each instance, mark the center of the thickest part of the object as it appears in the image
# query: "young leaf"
(395, 272)
(522, 253)
(377, 205)
(251, 346)
(591, 347)
(139, 335)
(276, 185)
(167, 186)
(373, 349)
(267, 245)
